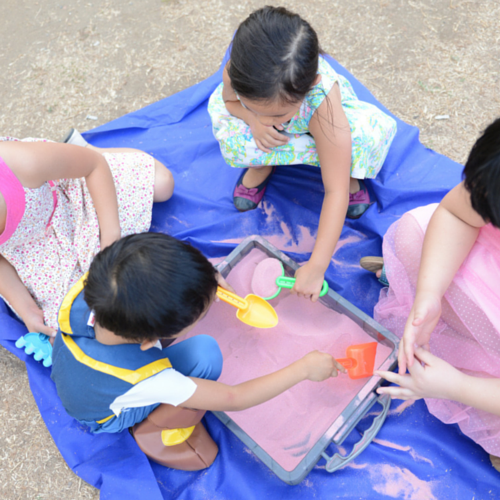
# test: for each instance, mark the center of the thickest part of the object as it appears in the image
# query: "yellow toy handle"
(231, 298)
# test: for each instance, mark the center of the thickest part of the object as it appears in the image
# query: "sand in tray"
(289, 425)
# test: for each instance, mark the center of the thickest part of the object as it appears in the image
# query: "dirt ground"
(80, 63)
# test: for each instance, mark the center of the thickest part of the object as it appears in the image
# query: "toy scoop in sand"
(269, 278)
(360, 360)
(252, 310)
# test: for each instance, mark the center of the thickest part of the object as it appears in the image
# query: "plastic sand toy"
(269, 278)
(252, 310)
(37, 344)
(360, 360)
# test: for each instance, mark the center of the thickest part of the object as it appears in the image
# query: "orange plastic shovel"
(252, 310)
(360, 360)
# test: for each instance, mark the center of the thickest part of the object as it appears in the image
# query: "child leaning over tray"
(111, 372)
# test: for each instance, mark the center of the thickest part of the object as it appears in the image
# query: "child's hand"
(34, 322)
(309, 281)
(435, 379)
(266, 137)
(224, 284)
(320, 366)
(422, 320)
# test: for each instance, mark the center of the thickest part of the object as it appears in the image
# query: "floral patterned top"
(372, 130)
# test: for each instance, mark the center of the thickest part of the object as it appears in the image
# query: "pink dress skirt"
(468, 333)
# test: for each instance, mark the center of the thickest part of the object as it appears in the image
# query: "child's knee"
(209, 362)
(164, 183)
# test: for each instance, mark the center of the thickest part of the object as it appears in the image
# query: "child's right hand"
(266, 137)
(319, 366)
(421, 322)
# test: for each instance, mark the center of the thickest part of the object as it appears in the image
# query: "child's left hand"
(223, 283)
(309, 281)
(435, 379)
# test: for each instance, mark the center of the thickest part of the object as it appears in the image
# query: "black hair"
(149, 286)
(482, 174)
(274, 56)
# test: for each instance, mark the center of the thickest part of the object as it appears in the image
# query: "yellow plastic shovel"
(252, 310)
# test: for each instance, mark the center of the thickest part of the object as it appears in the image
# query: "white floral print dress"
(51, 248)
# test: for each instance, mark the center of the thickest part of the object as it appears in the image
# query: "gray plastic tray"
(355, 410)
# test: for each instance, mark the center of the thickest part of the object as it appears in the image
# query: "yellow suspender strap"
(131, 376)
(67, 302)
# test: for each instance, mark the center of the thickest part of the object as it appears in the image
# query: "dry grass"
(434, 63)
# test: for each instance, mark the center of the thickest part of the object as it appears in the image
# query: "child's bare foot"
(495, 461)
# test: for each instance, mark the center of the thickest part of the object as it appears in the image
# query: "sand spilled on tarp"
(400, 483)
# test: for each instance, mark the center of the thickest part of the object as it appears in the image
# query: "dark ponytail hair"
(274, 56)
(482, 174)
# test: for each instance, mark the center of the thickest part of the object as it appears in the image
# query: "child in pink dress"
(59, 205)
(447, 302)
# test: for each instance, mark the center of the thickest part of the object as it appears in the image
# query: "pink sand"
(409, 449)
(264, 277)
(402, 484)
(289, 425)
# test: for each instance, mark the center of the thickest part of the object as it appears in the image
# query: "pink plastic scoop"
(269, 278)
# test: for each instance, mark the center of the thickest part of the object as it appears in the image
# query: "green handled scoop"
(269, 278)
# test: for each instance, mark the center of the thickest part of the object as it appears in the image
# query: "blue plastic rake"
(37, 344)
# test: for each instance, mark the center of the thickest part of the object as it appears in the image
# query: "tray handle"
(337, 461)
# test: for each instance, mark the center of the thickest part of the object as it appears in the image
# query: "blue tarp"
(416, 456)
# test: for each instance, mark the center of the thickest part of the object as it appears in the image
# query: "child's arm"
(265, 137)
(14, 291)
(438, 379)
(332, 134)
(215, 396)
(451, 233)
(37, 162)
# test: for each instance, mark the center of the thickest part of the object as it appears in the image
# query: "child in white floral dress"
(281, 103)
(59, 205)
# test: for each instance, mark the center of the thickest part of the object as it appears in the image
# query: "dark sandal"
(374, 264)
(359, 202)
(246, 199)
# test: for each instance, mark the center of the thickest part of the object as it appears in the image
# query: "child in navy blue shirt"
(112, 372)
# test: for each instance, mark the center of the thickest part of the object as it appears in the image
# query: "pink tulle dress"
(52, 232)
(468, 333)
